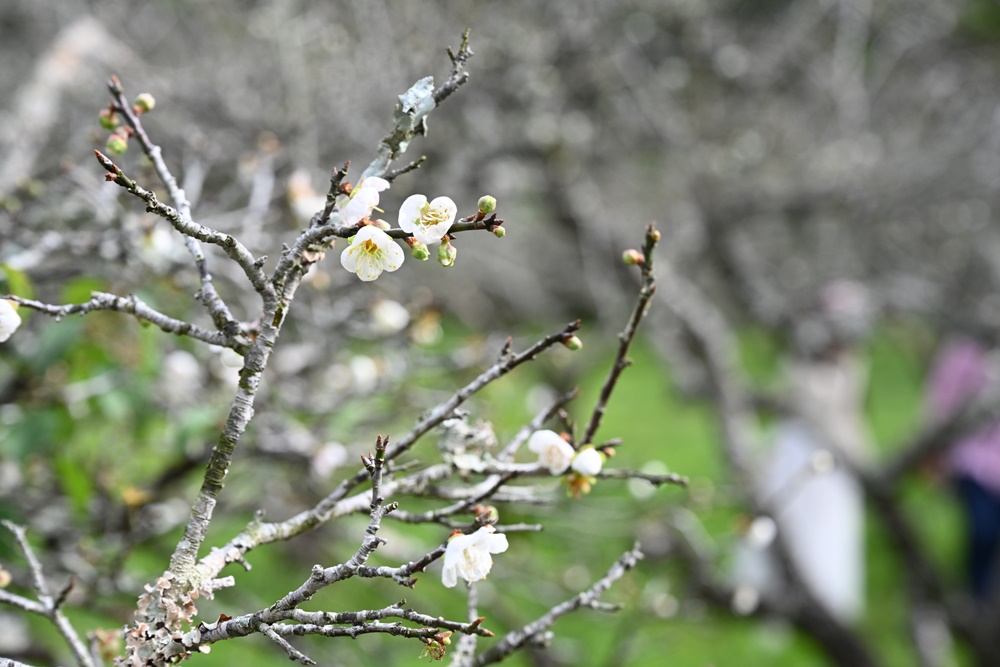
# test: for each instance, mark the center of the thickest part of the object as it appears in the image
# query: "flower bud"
(499, 232)
(144, 103)
(573, 343)
(117, 144)
(447, 254)
(108, 119)
(381, 224)
(417, 249)
(487, 204)
(656, 235)
(491, 512)
(633, 257)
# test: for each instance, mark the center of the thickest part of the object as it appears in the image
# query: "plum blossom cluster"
(559, 456)
(373, 251)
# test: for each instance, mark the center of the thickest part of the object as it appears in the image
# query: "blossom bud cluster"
(372, 251)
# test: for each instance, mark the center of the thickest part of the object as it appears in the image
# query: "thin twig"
(230, 245)
(208, 295)
(135, 306)
(50, 605)
(627, 335)
(588, 598)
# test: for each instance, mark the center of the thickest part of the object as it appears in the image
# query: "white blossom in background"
(428, 222)
(9, 319)
(762, 532)
(364, 374)
(305, 202)
(371, 253)
(468, 556)
(362, 201)
(389, 317)
(327, 458)
(553, 452)
(181, 377)
(587, 462)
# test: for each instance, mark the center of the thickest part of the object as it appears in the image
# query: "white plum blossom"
(553, 452)
(587, 462)
(428, 222)
(389, 316)
(363, 199)
(9, 319)
(371, 253)
(469, 555)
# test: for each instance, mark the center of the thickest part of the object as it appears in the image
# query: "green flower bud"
(487, 204)
(573, 343)
(499, 232)
(633, 257)
(447, 254)
(117, 144)
(144, 103)
(418, 250)
(108, 119)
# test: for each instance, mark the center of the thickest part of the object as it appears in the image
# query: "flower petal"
(9, 320)
(588, 462)
(409, 212)
(349, 258)
(369, 268)
(393, 255)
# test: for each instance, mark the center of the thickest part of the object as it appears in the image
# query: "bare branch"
(627, 335)
(135, 306)
(210, 298)
(237, 251)
(49, 605)
(588, 598)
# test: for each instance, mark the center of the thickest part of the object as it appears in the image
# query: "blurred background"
(824, 174)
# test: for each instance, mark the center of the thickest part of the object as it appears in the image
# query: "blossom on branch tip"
(588, 462)
(469, 555)
(487, 204)
(427, 221)
(144, 102)
(447, 254)
(362, 201)
(9, 319)
(371, 253)
(553, 452)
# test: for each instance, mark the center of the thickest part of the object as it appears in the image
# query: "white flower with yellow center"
(371, 253)
(587, 462)
(9, 319)
(469, 555)
(427, 221)
(362, 200)
(553, 452)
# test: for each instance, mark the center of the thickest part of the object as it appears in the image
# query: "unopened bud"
(499, 232)
(573, 343)
(144, 103)
(108, 119)
(487, 204)
(633, 257)
(417, 249)
(491, 512)
(656, 235)
(116, 144)
(381, 224)
(447, 254)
